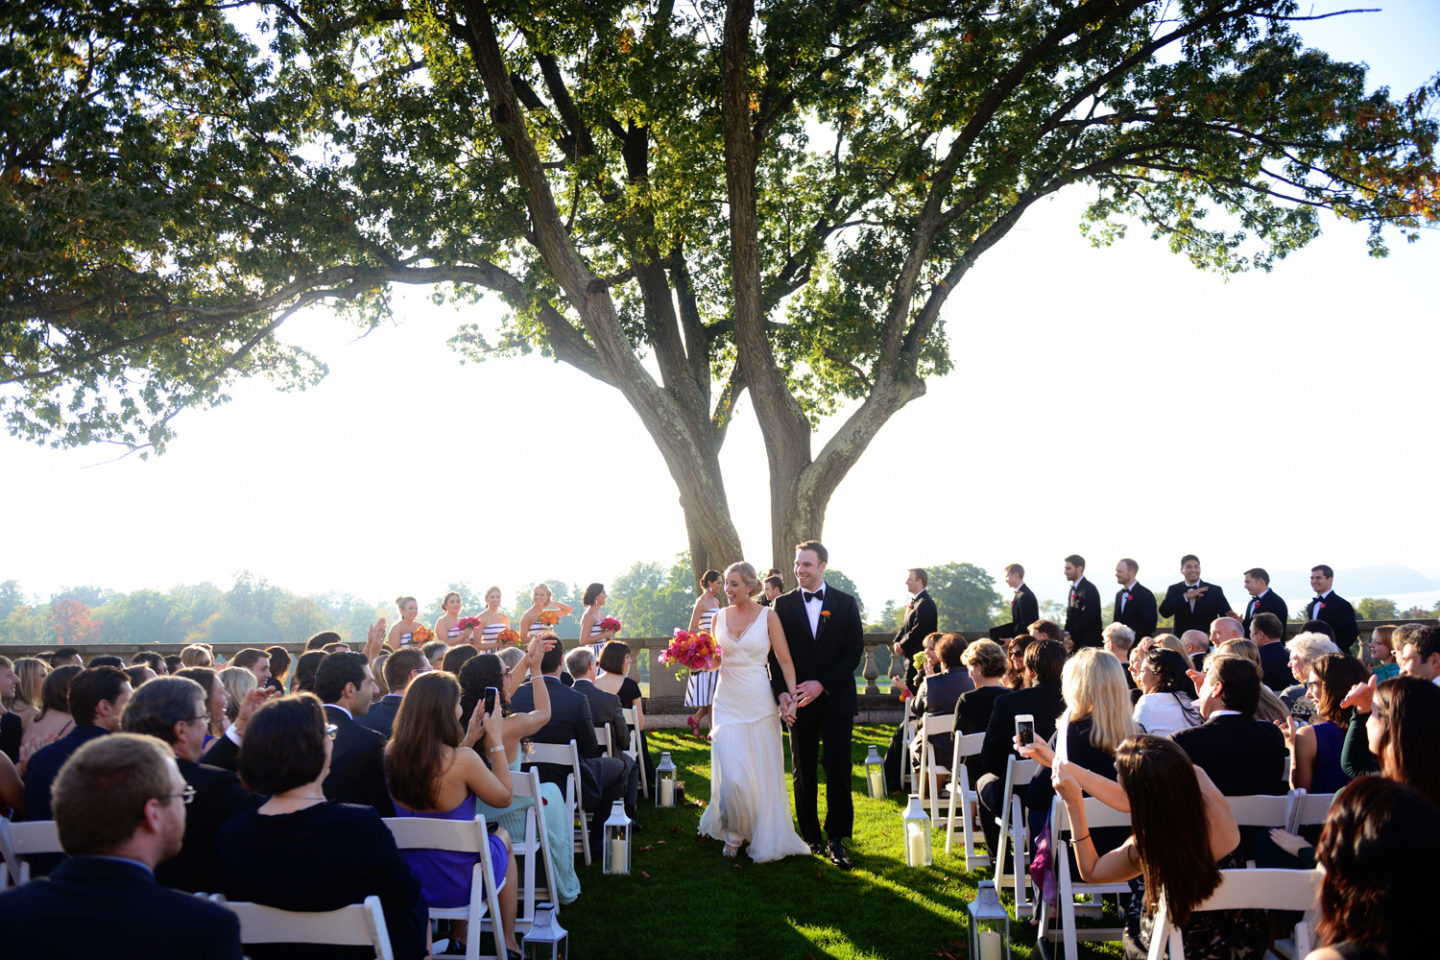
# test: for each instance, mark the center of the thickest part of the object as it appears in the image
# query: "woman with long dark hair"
(1393, 733)
(1315, 748)
(1168, 701)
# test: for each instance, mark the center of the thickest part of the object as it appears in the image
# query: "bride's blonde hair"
(747, 576)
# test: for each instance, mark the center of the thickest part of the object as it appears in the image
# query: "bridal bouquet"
(693, 652)
(507, 636)
(549, 617)
(610, 623)
(468, 623)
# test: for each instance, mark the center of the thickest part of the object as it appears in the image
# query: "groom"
(822, 629)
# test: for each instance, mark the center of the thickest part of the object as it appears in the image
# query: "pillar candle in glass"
(665, 781)
(546, 939)
(875, 773)
(616, 856)
(989, 924)
(917, 833)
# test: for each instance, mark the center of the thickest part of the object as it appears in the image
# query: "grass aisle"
(683, 900)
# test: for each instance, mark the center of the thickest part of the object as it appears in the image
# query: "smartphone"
(492, 696)
(1025, 728)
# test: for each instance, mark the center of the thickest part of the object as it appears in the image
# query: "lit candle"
(917, 848)
(877, 783)
(617, 856)
(990, 945)
(667, 793)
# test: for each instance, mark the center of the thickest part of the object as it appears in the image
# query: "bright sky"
(1108, 402)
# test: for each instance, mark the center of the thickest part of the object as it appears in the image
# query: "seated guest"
(401, 667)
(152, 660)
(1382, 653)
(1419, 646)
(435, 651)
(107, 660)
(97, 698)
(1393, 733)
(53, 720)
(1315, 749)
(299, 851)
(120, 811)
(66, 657)
(279, 667)
(455, 658)
(357, 764)
(1197, 646)
(1242, 755)
(11, 727)
(1167, 703)
(196, 655)
(173, 663)
(1379, 848)
(615, 662)
(1116, 640)
(322, 640)
(511, 657)
(257, 662)
(944, 681)
(12, 790)
(1305, 649)
(1271, 707)
(305, 669)
(487, 670)
(172, 709)
(433, 772)
(604, 707)
(1268, 634)
(377, 671)
(1015, 659)
(985, 664)
(138, 674)
(30, 674)
(238, 682)
(216, 699)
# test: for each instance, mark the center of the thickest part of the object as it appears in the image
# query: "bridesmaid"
(700, 687)
(492, 620)
(530, 624)
(446, 627)
(590, 632)
(403, 633)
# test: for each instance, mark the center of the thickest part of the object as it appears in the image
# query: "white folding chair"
(602, 737)
(1260, 811)
(1015, 832)
(633, 751)
(1097, 815)
(933, 725)
(1292, 890)
(1308, 809)
(460, 836)
(356, 925)
(531, 850)
(19, 840)
(908, 783)
(960, 788)
(568, 756)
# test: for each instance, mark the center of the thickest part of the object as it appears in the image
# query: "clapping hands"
(1361, 696)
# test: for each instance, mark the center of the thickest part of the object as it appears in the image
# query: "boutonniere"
(824, 615)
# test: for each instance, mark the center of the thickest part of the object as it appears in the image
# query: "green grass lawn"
(683, 900)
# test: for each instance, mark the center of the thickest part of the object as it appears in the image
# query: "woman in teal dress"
(487, 670)
(1382, 651)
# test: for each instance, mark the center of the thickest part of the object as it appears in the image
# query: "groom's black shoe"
(817, 848)
(838, 856)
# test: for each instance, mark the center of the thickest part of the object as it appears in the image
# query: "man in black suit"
(357, 760)
(1134, 603)
(403, 665)
(1268, 633)
(120, 811)
(1193, 602)
(97, 699)
(603, 780)
(1042, 699)
(1244, 756)
(1262, 599)
(1082, 612)
(172, 709)
(822, 628)
(921, 620)
(1329, 607)
(1024, 608)
(604, 707)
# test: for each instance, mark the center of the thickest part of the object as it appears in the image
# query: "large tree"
(682, 201)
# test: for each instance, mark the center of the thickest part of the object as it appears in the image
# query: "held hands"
(1361, 696)
(787, 709)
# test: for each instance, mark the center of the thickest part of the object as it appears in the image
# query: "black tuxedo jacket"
(45, 767)
(218, 797)
(1269, 602)
(1139, 614)
(921, 620)
(1337, 612)
(571, 718)
(830, 655)
(1082, 614)
(605, 708)
(1024, 610)
(1275, 666)
(1244, 756)
(1208, 606)
(1044, 702)
(357, 765)
(96, 907)
(381, 716)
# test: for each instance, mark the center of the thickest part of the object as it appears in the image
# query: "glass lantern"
(917, 833)
(875, 774)
(989, 924)
(546, 939)
(616, 857)
(665, 781)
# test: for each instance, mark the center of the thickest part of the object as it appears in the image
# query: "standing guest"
(173, 663)
(456, 657)
(700, 686)
(433, 774)
(447, 628)
(322, 640)
(139, 674)
(334, 854)
(1024, 607)
(1244, 756)
(921, 620)
(1382, 651)
(604, 707)
(615, 663)
(120, 812)
(97, 698)
(403, 633)
(1192, 602)
(1315, 748)
(196, 655)
(172, 709)
(152, 660)
(401, 669)
(54, 719)
(305, 669)
(257, 662)
(774, 586)
(1117, 639)
(357, 764)
(66, 657)
(216, 698)
(238, 682)
(1168, 702)
(590, 632)
(1082, 612)
(541, 600)
(1262, 599)
(1267, 631)
(279, 667)
(985, 662)
(492, 620)
(1134, 603)
(1305, 649)
(1329, 607)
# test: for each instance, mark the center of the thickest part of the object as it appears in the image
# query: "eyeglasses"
(331, 731)
(186, 796)
(203, 718)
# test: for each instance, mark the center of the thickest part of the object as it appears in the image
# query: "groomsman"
(1329, 607)
(1134, 604)
(1192, 602)
(1024, 608)
(921, 620)
(1082, 613)
(1262, 598)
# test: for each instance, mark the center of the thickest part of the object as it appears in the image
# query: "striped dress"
(594, 631)
(452, 636)
(700, 687)
(492, 632)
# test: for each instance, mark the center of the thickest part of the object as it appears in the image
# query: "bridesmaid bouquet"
(549, 617)
(468, 623)
(610, 623)
(507, 636)
(422, 636)
(693, 652)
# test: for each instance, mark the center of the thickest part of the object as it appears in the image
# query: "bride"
(749, 799)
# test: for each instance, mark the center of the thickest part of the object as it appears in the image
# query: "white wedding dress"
(749, 799)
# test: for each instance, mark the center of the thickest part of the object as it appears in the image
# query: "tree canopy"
(684, 202)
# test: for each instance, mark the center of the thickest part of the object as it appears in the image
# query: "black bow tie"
(817, 595)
